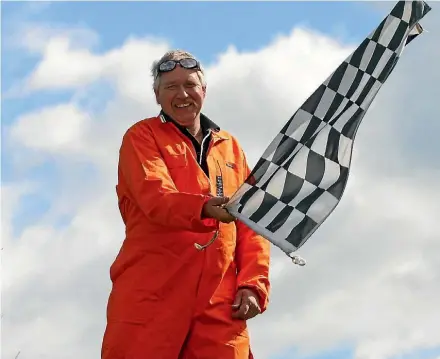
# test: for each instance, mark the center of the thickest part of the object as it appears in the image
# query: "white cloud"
(55, 73)
(373, 267)
(53, 129)
(68, 62)
(36, 38)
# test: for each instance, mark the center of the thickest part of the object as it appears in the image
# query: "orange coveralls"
(170, 300)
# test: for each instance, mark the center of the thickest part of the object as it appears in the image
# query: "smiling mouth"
(184, 105)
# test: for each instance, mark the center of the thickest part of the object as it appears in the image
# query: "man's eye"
(170, 87)
(191, 84)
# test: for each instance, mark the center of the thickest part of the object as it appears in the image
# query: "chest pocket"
(176, 161)
(177, 164)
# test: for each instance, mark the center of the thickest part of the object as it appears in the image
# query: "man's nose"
(182, 92)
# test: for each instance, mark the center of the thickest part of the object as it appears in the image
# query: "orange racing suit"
(168, 299)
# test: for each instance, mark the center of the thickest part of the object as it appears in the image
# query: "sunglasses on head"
(187, 63)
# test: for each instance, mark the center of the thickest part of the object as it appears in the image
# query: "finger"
(216, 201)
(228, 213)
(246, 309)
(221, 201)
(237, 315)
(237, 300)
(241, 313)
(222, 215)
(250, 316)
(253, 312)
(217, 213)
(226, 216)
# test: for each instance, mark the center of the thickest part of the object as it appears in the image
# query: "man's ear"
(156, 93)
(204, 91)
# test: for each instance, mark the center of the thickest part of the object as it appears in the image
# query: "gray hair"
(173, 55)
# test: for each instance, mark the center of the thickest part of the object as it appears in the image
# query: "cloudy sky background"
(75, 76)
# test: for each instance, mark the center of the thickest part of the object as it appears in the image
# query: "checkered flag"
(302, 175)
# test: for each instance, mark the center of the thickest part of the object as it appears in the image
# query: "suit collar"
(206, 123)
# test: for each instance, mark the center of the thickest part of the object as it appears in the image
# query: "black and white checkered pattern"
(302, 175)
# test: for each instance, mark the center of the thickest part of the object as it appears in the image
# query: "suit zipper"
(202, 146)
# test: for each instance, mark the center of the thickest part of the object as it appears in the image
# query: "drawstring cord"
(201, 247)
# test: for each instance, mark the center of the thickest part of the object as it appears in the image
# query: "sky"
(75, 76)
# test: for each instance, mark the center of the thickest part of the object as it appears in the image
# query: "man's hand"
(246, 304)
(213, 208)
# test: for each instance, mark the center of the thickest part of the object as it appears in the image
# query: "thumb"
(238, 299)
(217, 201)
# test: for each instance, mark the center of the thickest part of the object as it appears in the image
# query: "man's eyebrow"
(167, 83)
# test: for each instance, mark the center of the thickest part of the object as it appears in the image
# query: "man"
(188, 275)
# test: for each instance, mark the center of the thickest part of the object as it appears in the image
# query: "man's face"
(181, 95)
